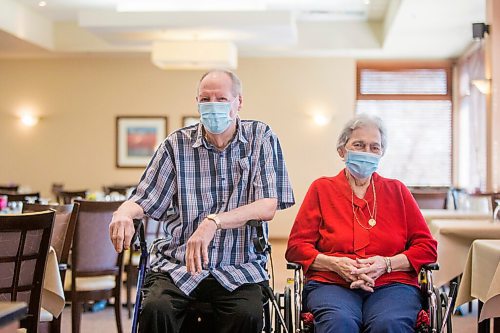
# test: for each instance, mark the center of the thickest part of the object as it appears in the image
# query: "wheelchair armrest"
(292, 265)
(431, 267)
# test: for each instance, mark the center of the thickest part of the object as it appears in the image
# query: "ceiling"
(258, 28)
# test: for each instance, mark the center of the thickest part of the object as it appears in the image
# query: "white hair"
(358, 121)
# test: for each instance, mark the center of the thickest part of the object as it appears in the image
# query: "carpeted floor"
(104, 321)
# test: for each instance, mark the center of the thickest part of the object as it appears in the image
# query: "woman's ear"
(341, 152)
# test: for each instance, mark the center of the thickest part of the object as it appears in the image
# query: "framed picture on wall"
(137, 138)
(190, 120)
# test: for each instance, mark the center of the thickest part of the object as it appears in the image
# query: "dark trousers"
(164, 306)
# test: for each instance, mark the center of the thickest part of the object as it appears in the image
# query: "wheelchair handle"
(137, 226)
(431, 267)
(292, 265)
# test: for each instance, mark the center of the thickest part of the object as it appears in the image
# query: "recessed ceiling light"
(42, 4)
(367, 2)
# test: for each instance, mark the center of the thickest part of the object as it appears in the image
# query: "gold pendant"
(372, 222)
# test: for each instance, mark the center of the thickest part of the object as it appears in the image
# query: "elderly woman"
(361, 241)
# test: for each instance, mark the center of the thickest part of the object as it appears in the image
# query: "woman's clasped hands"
(367, 271)
(347, 268)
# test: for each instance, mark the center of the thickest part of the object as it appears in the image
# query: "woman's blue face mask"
(361, 164)
(215, 116)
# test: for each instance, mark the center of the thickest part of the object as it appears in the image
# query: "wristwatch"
(215, 218)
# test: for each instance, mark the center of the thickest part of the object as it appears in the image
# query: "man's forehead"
(216, 77)
(218, 86)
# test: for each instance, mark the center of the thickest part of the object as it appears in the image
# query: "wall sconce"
(320, 120)
(483, 85)
(29, 120)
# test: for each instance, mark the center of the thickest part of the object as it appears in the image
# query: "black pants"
(164, 306)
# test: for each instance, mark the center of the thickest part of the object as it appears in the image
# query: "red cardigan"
(325, 224)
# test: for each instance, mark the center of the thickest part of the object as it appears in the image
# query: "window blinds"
(419, 131)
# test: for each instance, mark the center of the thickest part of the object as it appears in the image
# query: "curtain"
(471, 113)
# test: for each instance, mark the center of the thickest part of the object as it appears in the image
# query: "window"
(414, 101)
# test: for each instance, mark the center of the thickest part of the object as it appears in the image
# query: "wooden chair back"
(431, 197)
(9, 188)
(93, 253)
(24, 244)
(21, 196)
(66, 197)
(121, 189)
(64, 227)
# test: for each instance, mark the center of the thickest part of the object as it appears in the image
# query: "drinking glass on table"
(496, 212)
(3, 202)
(15, 207)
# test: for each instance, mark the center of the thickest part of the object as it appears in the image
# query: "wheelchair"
(435, 316)
(200, 315)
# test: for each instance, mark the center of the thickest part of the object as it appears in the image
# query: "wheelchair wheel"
(444, 303)
(285, 309)
(288, 309)
(439, 310)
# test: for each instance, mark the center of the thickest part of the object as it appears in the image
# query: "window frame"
(405, 65)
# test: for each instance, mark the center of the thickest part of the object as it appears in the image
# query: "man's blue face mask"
(215, 116)
(360, 164)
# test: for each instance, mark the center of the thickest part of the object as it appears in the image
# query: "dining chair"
(66, 197)
(121, 189)
(55, 189)
(62, 236)
(9, 188)
(21, 196)
(96, 269)
(24, 244)
(431, 198)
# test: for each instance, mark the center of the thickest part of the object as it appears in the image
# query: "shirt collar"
(201, 141)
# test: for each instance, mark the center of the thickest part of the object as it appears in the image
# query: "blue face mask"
(360, 164)
(215, 116)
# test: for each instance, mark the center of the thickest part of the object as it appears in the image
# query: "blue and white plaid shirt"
(189, 175)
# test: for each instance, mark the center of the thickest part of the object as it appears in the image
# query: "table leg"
(484, 326)
(496, 325)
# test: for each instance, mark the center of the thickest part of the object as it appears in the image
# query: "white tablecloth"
(447, 214)
(481, 278)
(454, 239)
(52, 292)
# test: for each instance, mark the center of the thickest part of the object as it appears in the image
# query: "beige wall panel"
(79, 98)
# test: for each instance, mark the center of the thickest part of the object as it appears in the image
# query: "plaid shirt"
(192, 178)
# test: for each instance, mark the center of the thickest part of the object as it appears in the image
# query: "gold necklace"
(373, 214)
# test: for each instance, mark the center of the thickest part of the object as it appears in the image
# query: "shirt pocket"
(242, 179)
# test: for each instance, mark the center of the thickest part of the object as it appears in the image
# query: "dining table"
(454, 238)
(481, 281)
(452, 214)
(10, 315)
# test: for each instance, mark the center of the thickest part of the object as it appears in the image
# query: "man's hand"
(121, 230)
(373, 267)
(197, 246)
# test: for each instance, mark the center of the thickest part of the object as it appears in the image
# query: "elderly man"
(216, 175)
